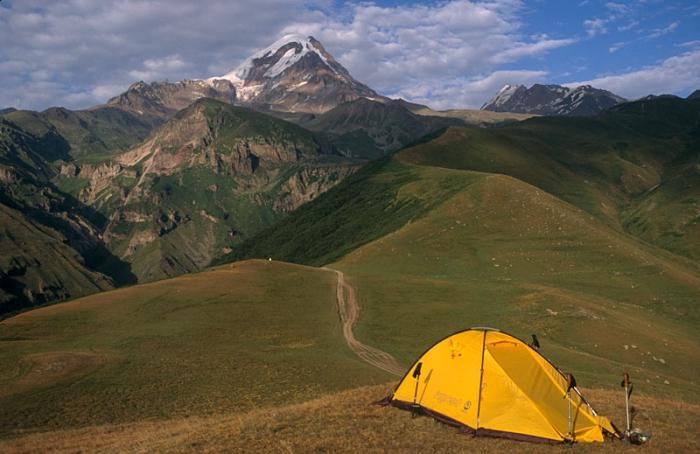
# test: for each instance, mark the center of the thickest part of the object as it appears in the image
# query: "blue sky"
(448, 54)
(611, 37)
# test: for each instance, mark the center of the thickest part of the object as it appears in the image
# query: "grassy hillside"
(505, 254)
(36, 266)
(204, 181)
(474, 117)
(634, 167)
(365, 206)
(432, 250)
(346, 422)
(231, 339)
(84, 135)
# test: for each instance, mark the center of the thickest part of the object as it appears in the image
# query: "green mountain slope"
(432, 250)
(485, 118)
(37, 266)
(50, 249)
(367, 205)
(634, 167)
(91, 135)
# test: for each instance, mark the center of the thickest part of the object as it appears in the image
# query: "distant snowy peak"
(294, 74)
(540, 99)
(503, 95)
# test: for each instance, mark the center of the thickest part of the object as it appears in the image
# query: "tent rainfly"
(490, 383)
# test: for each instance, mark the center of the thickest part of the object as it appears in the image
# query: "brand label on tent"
(447, 399)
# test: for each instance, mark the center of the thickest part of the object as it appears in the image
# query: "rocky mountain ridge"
(158, 101)
(583, 100)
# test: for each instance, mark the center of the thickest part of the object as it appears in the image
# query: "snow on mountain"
(503, 95)
(295, 47)
(295, 74)
(552, 100)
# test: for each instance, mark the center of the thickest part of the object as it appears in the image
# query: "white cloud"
(473, 92)
(595, 27)
(91, 50)
(402, 50)
(694, 43)
(657, 32)
(159, 68)
(680, 73)
(619, 8)
(615, 47)
(628, 26)
(84, 46)
(520, 50)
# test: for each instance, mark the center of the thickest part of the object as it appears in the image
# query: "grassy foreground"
(346, 422)
(230, 339)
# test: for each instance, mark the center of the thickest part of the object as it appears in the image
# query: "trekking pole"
(569, 395)
(416, 375)
(570, 383)
(626, 384)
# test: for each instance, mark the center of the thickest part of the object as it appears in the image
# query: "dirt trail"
(349, 312)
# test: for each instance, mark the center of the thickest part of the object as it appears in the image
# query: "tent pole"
(481, 383)
(570, 434)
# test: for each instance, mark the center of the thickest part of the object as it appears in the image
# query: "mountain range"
(168, 177)
(583, 100)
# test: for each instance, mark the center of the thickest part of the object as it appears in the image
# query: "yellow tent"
(491, 383)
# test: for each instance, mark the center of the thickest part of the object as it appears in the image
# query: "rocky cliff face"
(201, 183)
(308, 184)
(295, 74)
(552, 100)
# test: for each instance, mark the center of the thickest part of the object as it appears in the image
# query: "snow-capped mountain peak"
(552, 100)
(277, 57)
(503, 95)
(295, 73)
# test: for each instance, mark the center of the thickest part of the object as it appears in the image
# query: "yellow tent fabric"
(492, 383)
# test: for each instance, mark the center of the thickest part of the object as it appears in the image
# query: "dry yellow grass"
(347, 422)
(474, 116)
